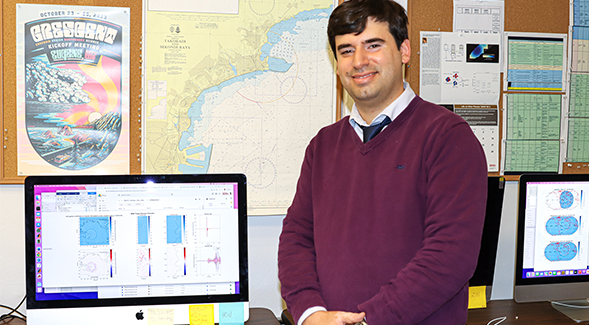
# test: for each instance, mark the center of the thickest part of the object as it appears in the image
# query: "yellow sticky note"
(477, 297)
(201, 314)
(159, 316)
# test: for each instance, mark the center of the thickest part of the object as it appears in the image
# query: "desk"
(258, 316)
(533, 313)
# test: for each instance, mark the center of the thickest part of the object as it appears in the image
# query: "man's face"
(370, 65)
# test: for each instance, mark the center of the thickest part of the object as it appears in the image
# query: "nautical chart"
(238, 93)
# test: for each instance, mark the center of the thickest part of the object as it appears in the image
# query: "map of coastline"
(251, 102)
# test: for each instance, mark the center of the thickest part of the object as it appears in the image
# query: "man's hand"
(333, 318)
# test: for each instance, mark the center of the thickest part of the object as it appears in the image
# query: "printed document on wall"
(484, 122)
(479, 17)
(459, 68)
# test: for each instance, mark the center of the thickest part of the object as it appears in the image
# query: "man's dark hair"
(351, 17)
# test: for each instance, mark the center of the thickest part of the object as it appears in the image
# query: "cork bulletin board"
(424, 15)
(8, 147)
(520, 16)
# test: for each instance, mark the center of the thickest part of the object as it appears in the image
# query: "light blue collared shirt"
(392, 111)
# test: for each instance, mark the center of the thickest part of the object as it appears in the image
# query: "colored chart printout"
(578, 125)
(579, 95)
(578, 140)
(562, 240)
(531, 156)
(239, 92)
(532, 133)
(580, 49)
(581, 12)
(72, 83)
(535, 63)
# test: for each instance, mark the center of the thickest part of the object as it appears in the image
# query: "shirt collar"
(392, 111)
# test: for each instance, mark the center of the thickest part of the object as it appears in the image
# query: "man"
(387, 229)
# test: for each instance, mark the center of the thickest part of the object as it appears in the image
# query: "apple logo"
(139, 315)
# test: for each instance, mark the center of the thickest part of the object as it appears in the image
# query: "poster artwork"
(73, 89)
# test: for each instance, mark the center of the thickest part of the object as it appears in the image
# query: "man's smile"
(363, 76)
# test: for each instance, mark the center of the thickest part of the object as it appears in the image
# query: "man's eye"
(373, 46)
(344, 52)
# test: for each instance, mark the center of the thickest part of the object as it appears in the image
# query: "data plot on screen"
(176, 262)
(94, 231)
(563, 199)
(143, 263)
(143, 230)
(208, 229)
(560, 251)
(562, 225)
(94, 265)
(175, 229)
(208, 261)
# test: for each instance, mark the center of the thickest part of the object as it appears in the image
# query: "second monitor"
(553, 241)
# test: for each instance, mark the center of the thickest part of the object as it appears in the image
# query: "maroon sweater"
(391, 227)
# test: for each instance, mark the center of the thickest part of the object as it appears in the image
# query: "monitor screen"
(137, 241)
(552, 238)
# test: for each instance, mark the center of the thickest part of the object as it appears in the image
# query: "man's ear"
(405, 50)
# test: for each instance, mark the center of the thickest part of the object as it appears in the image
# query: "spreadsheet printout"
(532, 136)
(578, 117)
(581, 12)
(535, 63)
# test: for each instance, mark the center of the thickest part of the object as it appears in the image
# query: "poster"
(72, 89)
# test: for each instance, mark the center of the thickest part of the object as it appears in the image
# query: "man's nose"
(360, 58)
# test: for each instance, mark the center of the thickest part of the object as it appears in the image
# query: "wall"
(12, 246)
(262, 244)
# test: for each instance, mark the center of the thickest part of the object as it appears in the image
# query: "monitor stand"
(577, 310)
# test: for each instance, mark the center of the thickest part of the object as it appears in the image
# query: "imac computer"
(552, 242)
(112, 249)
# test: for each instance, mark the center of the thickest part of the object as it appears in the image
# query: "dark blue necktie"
(370, 132)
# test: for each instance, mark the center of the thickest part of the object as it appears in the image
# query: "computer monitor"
(485, 270)
(112, 249)
(552, 242)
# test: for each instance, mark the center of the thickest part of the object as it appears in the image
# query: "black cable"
(11, 315)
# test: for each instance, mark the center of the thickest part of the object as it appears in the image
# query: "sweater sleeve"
(296, 253)
(456, 191)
